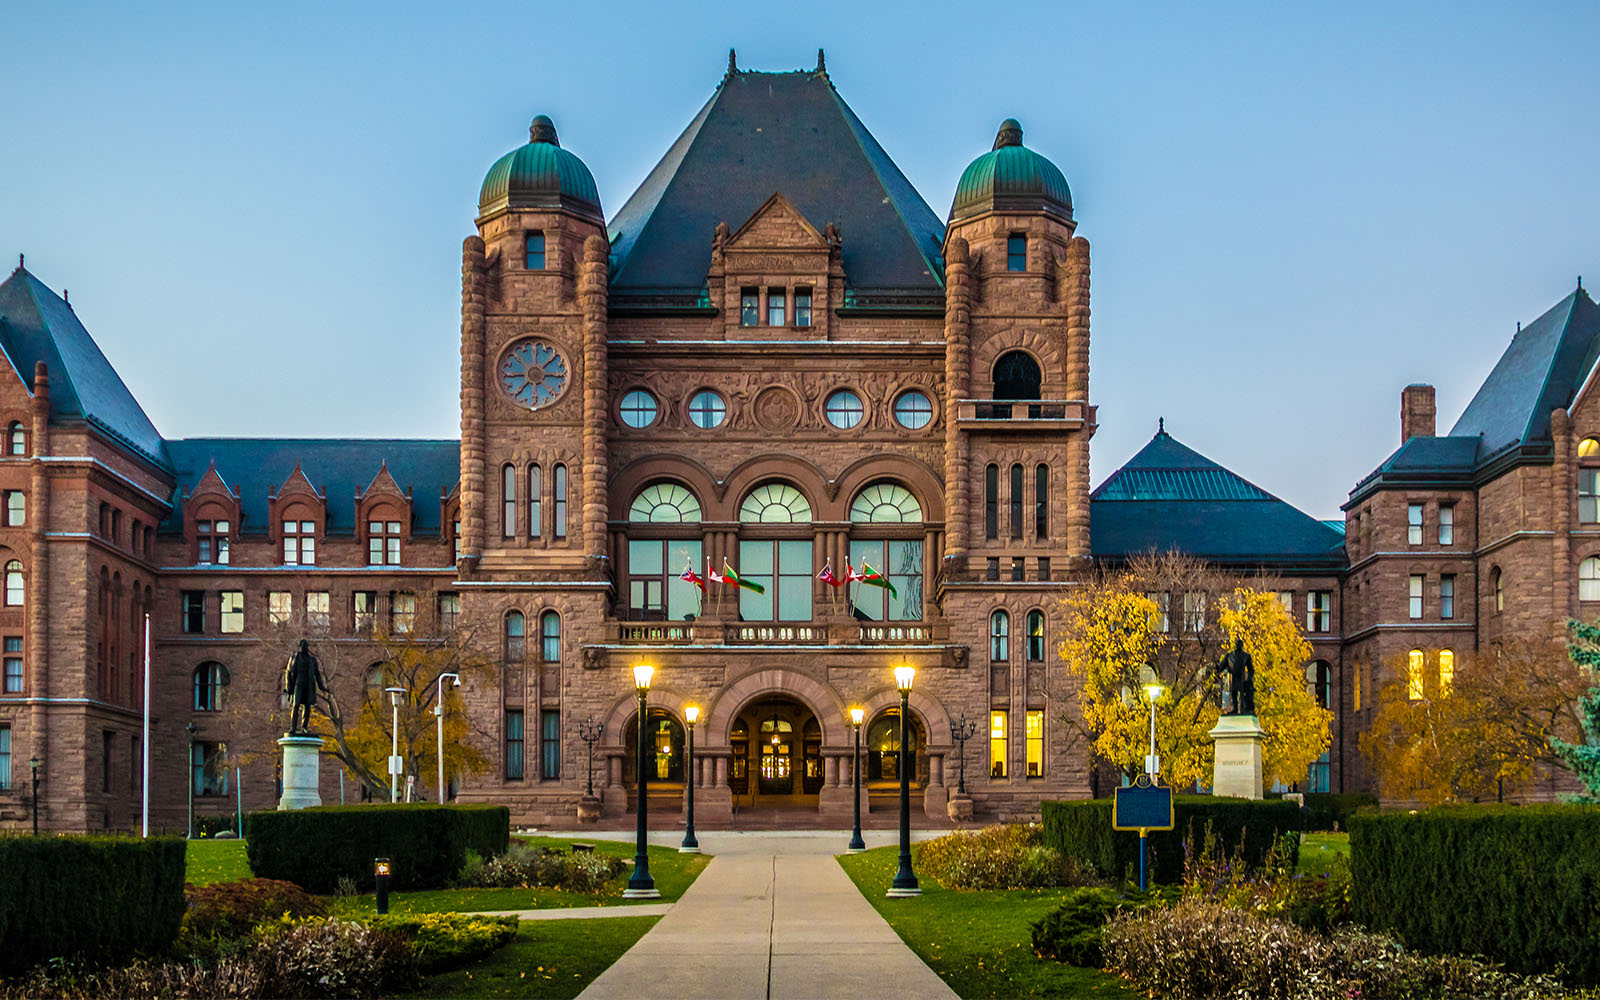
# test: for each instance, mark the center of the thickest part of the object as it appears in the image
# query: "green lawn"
(208, 861)
(1318, 850)
(549, 958)
(978, 942)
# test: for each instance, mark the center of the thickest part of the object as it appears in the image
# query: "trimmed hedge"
(102, 898)
(1519, 884)
(427, 844)
(1082, 829)
(1325, 811)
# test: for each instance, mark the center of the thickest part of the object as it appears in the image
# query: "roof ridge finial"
(733, 62)
(1161, 426)
(822, 69)
(1010, 134)
(542, 129)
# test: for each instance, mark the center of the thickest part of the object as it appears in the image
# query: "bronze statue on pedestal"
(302, 679)
(1241, 671)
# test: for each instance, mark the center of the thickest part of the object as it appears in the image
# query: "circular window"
(638, 408)
(707, 409)
(533, 373)
(914, 410)
(843, 409)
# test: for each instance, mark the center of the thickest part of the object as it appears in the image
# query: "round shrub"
(1003, 856)
(331, 958)
(1073, 931)
(229, 910)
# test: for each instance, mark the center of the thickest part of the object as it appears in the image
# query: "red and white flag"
(712, 575)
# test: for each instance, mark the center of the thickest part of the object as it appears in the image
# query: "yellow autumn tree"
(1169, 618)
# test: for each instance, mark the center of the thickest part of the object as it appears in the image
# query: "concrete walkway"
(774, 918)
(583, 912)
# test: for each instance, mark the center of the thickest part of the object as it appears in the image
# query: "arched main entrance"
(777, 755)
(883, 757)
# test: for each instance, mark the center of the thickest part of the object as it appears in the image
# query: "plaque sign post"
(1142, 806)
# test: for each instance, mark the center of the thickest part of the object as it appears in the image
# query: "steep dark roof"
(340, 468)
(1169, 496)
(1542, 369)
(36, 325)
(762, 133)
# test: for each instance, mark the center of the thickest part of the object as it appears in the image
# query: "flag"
(827, 577)
(729, 576)
(851, 574)
(691, 576)
(712, 575)
(876, 579)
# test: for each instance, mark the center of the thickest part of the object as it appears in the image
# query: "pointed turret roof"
(785, 132)
(1169, 496)
(37, 325)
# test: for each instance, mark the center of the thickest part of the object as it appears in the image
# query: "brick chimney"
(1416, 412)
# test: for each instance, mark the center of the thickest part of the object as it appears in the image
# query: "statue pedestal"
(1237, 770)
(301, 772)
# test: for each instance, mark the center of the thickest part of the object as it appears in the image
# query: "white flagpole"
(144, 824)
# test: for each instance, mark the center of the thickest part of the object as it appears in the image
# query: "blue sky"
(1295, 209)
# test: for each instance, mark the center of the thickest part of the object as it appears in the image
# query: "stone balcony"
(838, 632)
(1052, 415)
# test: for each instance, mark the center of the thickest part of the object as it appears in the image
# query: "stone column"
(473, 325)
(830, 771)
(1563, 490)
(1076, 486)
(38, 595)
(596, 395)
(957, 379)
(936, 798)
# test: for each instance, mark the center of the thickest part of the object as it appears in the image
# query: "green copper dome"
(1011, 178)
(540, 175)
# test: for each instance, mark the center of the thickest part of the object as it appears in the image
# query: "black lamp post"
(857, 845)
(961, 731)
(191, 729)
(690, 845)
(905, 880)
(640, 884)
(589, 733)
(34, 763)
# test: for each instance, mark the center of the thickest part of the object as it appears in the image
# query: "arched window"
(14, 588)
(1587, 448)
(508, 501)
(1447, 670)
(885, 503)
(774, 503)
(1035, 622)
(664, 503)
(16, 439)
(209, 680)
(991, 502)
(1589, 579)
(1017, 376)
(535, 500)
(1415, 664)
(1319, 680)
(999, 636)
(1498, 590)
(559, 529)
(515, 637)
(1041, 501)
(1016, 501)
(550, 637)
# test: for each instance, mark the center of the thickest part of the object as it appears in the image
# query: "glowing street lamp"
(857, 845)
(690, 845)
(905, 880)
(640, 884)
(1152, 763)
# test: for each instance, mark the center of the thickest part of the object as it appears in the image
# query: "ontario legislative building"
(774, 361)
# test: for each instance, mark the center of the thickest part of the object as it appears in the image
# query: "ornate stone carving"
(777, 409)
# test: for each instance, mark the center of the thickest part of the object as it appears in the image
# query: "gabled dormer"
(777, 276)
(298, 519)
(211, 513)
(383, 519)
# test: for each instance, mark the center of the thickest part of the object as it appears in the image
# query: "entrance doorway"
(885, 757)
(777, 756)
(664, 746)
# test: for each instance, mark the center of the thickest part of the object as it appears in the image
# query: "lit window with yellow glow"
(1588, 448)
(1035, 733)
(1414, 675)
(997, 744)
(1447, 669)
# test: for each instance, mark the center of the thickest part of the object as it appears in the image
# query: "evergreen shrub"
(1325, 811)
(1518, 884)
(1245, 829)
(426, 844)
(102, 899)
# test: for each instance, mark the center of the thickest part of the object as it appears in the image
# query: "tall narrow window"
(550, 637)
(991, 502)
(231, 612)
(1035, 623)
(16, 439)
(783, 570)
(13, 664)
(1319, 610)
(1018, 570)
(1016, 501)
(535, 501)
(997, 744)
(449, 611)
(516, 640)
(1589, 496)
(1497, 587)
(802, 307)
(364, 609)
(508, 501)
(1447, 670)
(999, 637)
(1589, 579)
(533, 259)
(210, 679)
(777, 307)
(559, 528)
(1447, 595)
(1163, 616)
(1034, 732)
(280, 607)
(106, 739)
(1447, 524)
(318, 618)
(5, 758)
(16, 508)
(299, 543)
(1016, 252)
(1041, 502)
(383, 541)
(211, 542)
(749, 307)
(1414, 607)
(550, 745)
(1414, 524)
(403, 612)
(1415, 663)
(1194, 611)
(194, 611)
(514, 744)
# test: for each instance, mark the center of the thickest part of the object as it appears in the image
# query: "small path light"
(380, 880)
